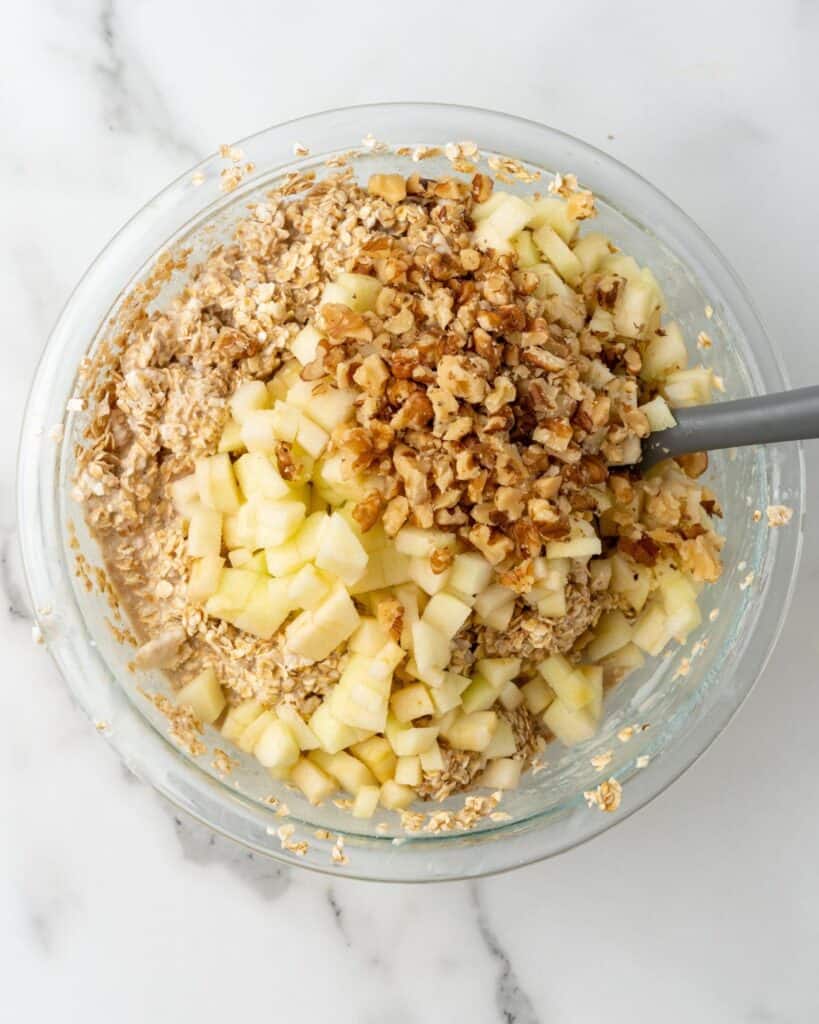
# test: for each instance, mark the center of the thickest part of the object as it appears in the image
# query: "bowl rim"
(158, 762)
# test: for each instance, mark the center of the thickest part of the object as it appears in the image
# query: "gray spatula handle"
(788, 416)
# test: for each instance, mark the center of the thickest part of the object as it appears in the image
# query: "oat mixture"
(494, 388)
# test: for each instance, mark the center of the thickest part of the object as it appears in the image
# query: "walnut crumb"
(757, 516)
(299, 149)
(704, 341)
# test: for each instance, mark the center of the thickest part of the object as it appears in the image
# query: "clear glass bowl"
(548, 814)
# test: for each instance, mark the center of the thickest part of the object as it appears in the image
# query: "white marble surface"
(705, 906)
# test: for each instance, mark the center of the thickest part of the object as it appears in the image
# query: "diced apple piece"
(335, 294)
(480, 695)
(552, 605)
(303, 734)
(613, 631)
(305, 345)
(233, 534)
(580, 545)
(385, 568)
(411, 702)
(316, 785)
(509, 218)
(284, 379)
(239, 718)
(480, 211)
(626, 659)
(630, 580)
(249, 737)
(369, 638)
(558, 254)
(591, 250)
(430, 646)
(658, 414)
(448, 695)
(275, 521)
(683, 388)
(664, 353)
(421, 572)
(327, 406)
(636, 310)
(396, 797)
(288, 557)
(312, 438)
(284, 421)
(258, 431)
(185, 495)
(446, 614)
(498, 671)
(408, 771)
(233, 593)
(525, 250)
(412, 540)
(377, 755)
(537, 695)
(308, 588)
(204, 695)
(511, 696)
(267, 607)
(499, 618)
(430, 674)
(350, 773)
(432, 760)
(651, 631)
(555, 213)
(360, 699)
(231, 438)
(363, 290)
(407, 740)
(246, 398)
(340, 551)
(408, 594)
(501, 773)
(472, 731)
(276, 747)
(314, 634)
(257, 476)
(204, 532)
(471, 573)
(493, 597)
(332, 734)
(366, 802)
(593, 674)
(571, 687)
(204, 578)
(568, 725)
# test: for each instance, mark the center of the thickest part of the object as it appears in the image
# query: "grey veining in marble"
(703, 907)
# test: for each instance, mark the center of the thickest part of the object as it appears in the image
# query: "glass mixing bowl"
(548, 813)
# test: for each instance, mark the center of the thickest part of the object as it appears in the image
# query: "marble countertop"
(705, 906)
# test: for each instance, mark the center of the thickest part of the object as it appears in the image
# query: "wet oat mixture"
(363, 485)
